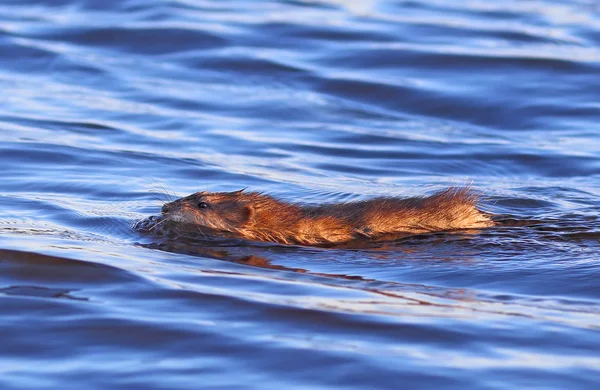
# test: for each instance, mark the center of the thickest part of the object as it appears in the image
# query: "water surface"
(110, 108)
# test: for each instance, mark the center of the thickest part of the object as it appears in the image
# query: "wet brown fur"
(259, 217)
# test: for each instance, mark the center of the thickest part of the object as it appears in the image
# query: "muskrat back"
(260, 217)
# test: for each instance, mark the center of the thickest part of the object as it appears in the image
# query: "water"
(108, 107)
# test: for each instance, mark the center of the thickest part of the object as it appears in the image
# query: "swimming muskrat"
(259, 217)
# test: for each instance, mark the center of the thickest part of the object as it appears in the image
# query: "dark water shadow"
(30, 274)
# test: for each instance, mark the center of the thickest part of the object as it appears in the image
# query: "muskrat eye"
(202, 205)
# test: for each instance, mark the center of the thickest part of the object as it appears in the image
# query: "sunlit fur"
(260, 217)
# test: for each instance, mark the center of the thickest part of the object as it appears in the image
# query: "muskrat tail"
(462, 207)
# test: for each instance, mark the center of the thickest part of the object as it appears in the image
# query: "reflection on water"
(112, 108)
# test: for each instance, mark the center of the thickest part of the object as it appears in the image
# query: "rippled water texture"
(110, 108)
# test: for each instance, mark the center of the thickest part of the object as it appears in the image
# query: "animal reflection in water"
(236, 226)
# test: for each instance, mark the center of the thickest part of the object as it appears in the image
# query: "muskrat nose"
(166, 207)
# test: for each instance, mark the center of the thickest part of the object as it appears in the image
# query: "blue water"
(110, 108)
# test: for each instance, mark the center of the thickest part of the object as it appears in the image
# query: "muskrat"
(260, 217)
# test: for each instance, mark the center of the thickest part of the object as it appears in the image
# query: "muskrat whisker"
(157, 224)
(166, 196)
(201, 232)
(198, 223)
(160, 195)
(171, 195)
(159, 199)
(159, 187)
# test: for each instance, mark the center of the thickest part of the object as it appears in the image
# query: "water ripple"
(112, 108)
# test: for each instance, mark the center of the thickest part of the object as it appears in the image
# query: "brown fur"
(260, 217)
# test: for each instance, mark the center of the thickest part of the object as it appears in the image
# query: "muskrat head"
(225, 211)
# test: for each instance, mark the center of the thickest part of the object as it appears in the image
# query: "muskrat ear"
(248, 214)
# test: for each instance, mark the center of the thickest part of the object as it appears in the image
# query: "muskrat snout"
(166, 208)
